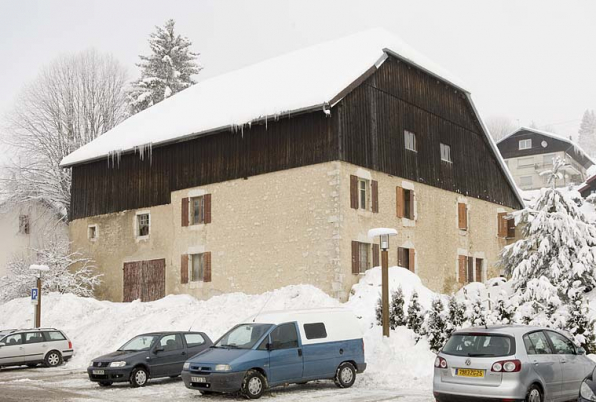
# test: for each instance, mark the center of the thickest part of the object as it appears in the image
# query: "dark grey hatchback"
(153, 355)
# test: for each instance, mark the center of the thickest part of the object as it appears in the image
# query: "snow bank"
(99, 327)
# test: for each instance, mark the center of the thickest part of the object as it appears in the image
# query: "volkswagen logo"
(468, 362)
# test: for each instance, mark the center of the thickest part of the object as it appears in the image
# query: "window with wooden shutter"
(408, 203)
(207, 206)
(399, 201)
(462, 262)
(184, 268)
(207, 271)
(479, 263)
(502, 224)
(462, 215)
(403, 257)
(184, 211)
(353, 192)
(375, 255)
(411, 259)
(355, 258)
(510, 228)
(375, 196)
(470, 277)
(363, 254)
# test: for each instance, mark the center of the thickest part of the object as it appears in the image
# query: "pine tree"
(558, 242)
(587, 132)
(436, 325)
(415, 319)
(379, 312)
(166, 71)
(579, 324)
(478, 313)
(397, 316)
(457, 315)
(504, 309)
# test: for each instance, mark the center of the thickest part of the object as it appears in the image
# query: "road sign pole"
(385, 291)
(38, 306)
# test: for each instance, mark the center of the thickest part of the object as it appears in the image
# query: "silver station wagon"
(31, 347)
(509, 363)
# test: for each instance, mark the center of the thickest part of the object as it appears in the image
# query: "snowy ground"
(398, 367)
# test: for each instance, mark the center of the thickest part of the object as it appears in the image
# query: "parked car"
(279, 348)
(587, 391)
(518, 363)
(153, 355)
(31, 347)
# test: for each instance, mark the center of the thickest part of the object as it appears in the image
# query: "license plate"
(469, 373)
(198, 379)
(99, 372)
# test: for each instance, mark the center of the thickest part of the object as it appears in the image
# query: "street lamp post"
(39, 269)
(384, 234)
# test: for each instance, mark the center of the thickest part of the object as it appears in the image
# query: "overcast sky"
(527, 60)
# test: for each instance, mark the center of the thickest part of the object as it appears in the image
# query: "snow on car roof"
(306, 79)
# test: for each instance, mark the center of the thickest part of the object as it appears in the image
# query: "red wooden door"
(145, 280)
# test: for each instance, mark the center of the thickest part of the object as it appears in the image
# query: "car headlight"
(91, 364)
(223, 367)
(117, 364)
(586, 392)
(186, 366)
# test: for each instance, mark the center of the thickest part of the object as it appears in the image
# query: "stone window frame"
(136, 223)
(95, 228)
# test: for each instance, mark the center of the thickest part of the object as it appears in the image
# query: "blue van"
(277, 348)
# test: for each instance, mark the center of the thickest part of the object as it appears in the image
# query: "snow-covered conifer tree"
(579, 323)
(397, 316)
(457, 315)
(415, 319)
(587, 132)
(558, 242)
(166, 71)
(435, 327)
(477, 314)
(504, 309)
(379, 311)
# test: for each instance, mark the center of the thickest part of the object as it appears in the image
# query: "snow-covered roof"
(576, 147)
(305, 79)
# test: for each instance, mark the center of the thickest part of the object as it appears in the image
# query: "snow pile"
(99, 327)
(303, 79)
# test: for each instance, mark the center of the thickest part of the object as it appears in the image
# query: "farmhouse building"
(272, 175)
(529, 152)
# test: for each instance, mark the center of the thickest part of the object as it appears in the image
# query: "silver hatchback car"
(509, 363)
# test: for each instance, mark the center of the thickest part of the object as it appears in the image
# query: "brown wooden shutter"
(412, 195)
(375, 196)
(399, 202)
(207, 270)
(478, 269)
(502, 224)
(355, 258)
(462, 269)
(412, 259)
(353, 192)
(510, 228)
(184, 211)
(184, 268)
(207, 206)
(462, 215)
(375, 248)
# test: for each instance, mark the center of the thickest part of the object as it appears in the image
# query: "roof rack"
(30, 329)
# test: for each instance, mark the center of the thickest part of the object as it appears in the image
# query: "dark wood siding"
(365, 129)
(509, 147)
(403, 98)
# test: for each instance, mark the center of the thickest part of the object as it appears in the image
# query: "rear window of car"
(315, 331)
(55, 336)
(194, 340)
(479, 345)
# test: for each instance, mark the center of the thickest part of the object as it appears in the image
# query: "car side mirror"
(158, 349)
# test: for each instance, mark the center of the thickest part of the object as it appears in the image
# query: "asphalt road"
(62, 384)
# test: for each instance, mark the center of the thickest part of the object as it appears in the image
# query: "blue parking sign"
(34, 295)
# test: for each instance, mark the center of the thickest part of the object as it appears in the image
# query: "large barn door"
(145, 280)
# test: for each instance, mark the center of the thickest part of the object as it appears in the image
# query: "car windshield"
(243, 336)
(479, 345)
(138, 343)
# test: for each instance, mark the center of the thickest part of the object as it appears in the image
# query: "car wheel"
(105, 383)
(345, 375)
(138, 377)
(534, 394)
(253, 384)
(53, 359)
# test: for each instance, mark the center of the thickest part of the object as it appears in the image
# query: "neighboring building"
(529, 152)
(25, 228)
(339, 138)
(588, 187)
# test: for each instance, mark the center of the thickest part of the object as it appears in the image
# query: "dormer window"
(525, 144)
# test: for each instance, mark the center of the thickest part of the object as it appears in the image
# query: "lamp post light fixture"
(39, 269)
(384, 234)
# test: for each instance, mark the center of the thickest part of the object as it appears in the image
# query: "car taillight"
(69, 344)
(440, 362)
(506, 366)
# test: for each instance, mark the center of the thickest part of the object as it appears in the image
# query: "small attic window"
(525, 144)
